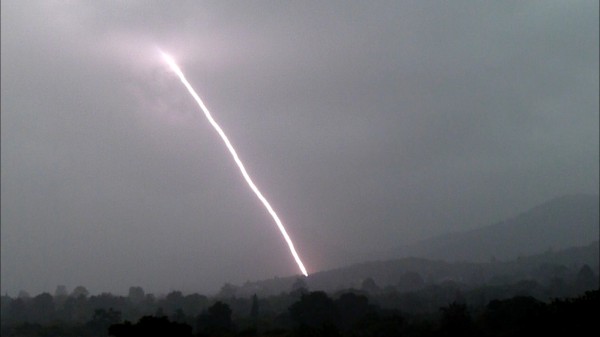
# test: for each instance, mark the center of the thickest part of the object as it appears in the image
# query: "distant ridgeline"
(567, 221)
(410, 274)
(549, 241)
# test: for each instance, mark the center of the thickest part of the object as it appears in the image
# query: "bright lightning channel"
(239, 163)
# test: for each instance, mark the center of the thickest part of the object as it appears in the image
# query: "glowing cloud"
(237, 160)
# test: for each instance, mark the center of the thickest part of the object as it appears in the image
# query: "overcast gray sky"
(367, 126)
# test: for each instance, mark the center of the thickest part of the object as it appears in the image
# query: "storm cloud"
(367, 126)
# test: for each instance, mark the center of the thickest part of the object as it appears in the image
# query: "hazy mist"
(367, 125)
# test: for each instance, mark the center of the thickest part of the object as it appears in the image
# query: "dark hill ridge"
(567, 221)
(393, 272)
(550, 230)
(434, 271)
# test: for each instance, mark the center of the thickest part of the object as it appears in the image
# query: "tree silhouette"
(369, 286)
(227, 291)
(351, 308)
(60, 295)
(80, 291)
(151, 326)
(17, 310)
(410, 281)
(136, 294)
(102, 320)
(299, 288)
(24, 295)
(254, 308)
(577, 316)
(586, 280)
(380, 323)
(518, 316)
(456, 320)
(216, 321)
(314, 313)
(42, 308)
(173, 301)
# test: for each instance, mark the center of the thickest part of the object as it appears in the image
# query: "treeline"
(347, 314)
(447, 308)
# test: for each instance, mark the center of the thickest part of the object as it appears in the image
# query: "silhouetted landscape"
(554, 290)
(563, 222)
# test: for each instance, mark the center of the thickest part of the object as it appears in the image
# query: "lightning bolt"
(236, 158)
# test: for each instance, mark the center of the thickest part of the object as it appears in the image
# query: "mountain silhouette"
(564, 230)
(404, 270)
(567, 221)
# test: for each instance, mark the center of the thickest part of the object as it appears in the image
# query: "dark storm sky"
(367, 126)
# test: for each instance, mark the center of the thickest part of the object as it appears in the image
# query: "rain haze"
(368, 126)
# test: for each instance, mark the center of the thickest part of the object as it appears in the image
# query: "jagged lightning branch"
(237, 160)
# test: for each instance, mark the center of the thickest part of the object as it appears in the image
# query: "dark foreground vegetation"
(302, 313)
